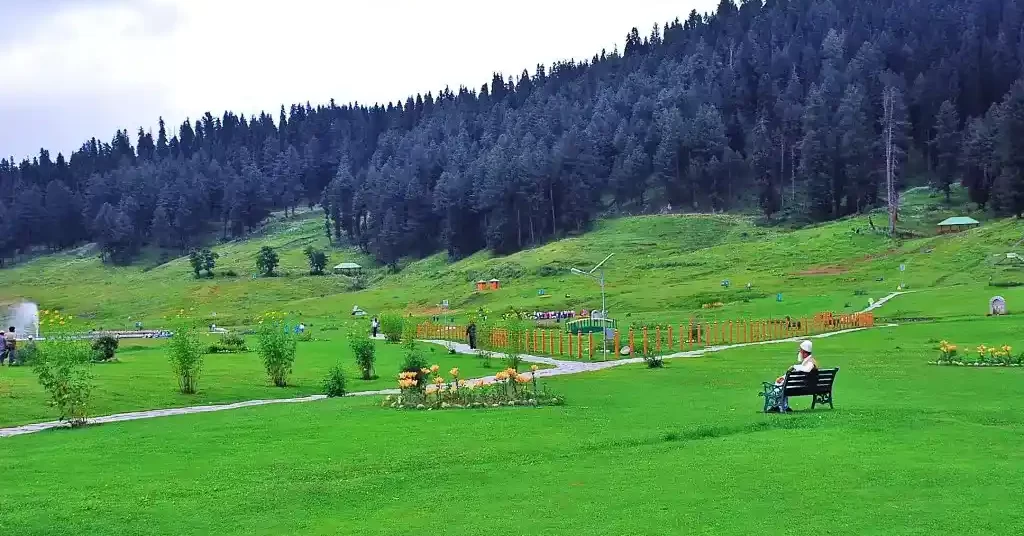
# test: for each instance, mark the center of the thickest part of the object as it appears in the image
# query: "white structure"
(997, 306)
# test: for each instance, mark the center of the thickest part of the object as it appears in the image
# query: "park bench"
(817, 383)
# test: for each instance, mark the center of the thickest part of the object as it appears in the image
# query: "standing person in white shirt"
(805, 363)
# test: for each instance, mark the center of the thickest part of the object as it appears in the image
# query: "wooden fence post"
(579, 345)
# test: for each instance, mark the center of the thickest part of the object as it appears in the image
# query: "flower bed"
(984, 356)
(428, 389)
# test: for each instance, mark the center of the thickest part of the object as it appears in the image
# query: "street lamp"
(604, 304)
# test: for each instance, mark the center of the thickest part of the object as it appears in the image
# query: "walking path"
(561, 368)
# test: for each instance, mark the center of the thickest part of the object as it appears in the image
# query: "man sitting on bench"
(806, 364)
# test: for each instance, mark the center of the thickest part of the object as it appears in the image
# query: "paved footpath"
(561, 368)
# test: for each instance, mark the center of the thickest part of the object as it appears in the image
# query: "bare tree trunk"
(551, 195)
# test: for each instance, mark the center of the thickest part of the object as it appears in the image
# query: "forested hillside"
(781, 106)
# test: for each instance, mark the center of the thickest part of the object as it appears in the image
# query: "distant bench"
(817, 383)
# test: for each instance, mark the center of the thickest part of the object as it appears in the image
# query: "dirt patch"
(824, 270)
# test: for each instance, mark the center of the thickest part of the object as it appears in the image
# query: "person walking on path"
(375, 326)
(471, 334)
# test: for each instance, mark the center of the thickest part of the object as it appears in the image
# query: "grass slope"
(909, 449)
(665, 268)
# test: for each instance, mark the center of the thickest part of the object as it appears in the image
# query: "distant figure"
(10, 347)
(375, 326)
(471, 334)
(302, 328)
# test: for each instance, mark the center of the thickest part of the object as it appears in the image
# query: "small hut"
(495, 284)
(957, 224)
(348, 268)
(481, 285)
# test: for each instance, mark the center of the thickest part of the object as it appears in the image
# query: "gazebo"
(348, 268)
(957, 224)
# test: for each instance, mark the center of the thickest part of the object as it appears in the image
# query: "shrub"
(230, 273)
(104, 348)
(28, 353)
(229, 343)
(62, 366)
(415, 364)
(364, 351)
(392, 325)
(358, 283)
(276, 343)
(334, 384)
(267, 261)
(653, 361)
(186, 356)
(486, 357)
(317, 260)
(513, 361)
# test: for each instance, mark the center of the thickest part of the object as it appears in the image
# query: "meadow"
(910, 448)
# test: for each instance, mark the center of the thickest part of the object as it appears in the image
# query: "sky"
(74, 69)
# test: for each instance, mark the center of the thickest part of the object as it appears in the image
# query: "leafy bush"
(229, 343)
(104, 348)
(62, 364)
(358, 283)
(334, 384)
(364, 351)
(186, 356)
(1005, 284)
(317, 260)
(267, 261)
(653, 361)
(486, 357)
(392, 326)
(415, 364)
(202, 259)
(230, 273)
(276, 344)
(28, 353)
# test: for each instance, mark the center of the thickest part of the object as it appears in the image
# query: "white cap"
(806, 346)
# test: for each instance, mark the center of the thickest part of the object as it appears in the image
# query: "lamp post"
(604, 303)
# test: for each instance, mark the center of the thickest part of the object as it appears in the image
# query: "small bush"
(513, 361)
(486, 357)
(276, 344)
(104, 349)
(186, 356)
(392, 326)
(1005, 284)
(364, 351)
(28, 353)
(230, 273)
(358, 283)
(654, 361)
(334, 384)
(415, 363)
(62, 367)
(229, 343)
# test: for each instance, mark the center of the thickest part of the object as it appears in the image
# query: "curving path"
(561, 368)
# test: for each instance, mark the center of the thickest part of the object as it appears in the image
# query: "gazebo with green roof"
(957, 224)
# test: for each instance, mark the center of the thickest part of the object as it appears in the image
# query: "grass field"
(911, 448)
(142, 378)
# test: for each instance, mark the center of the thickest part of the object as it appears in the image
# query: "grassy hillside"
(664, 269)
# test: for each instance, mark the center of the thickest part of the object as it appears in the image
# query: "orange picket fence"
(659, 339)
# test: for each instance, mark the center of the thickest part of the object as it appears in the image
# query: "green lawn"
(142, 378)
(909, 449)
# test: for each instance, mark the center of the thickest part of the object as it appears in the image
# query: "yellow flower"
(454, 372)
(435, 368)
(425, 371)
(534, 368)
(438, 380)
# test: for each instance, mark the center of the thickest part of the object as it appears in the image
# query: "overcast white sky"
(72, 69)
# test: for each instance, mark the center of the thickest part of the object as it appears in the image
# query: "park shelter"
(481, 285)
(348, 268)
(957, 224)
(495, 284)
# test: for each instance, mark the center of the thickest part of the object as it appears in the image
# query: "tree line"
(805, 109)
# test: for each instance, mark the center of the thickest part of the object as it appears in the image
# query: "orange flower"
(435, 368)
(454, 372)
(438, 380)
